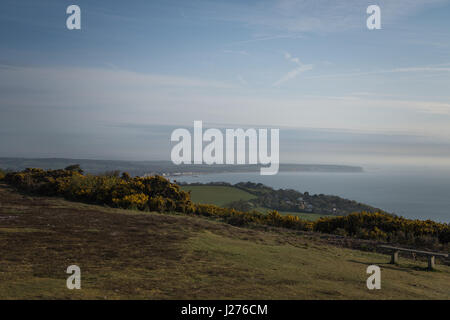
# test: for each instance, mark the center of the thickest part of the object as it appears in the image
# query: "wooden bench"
(431, 255)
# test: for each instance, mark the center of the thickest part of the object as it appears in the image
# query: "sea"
(412, 193)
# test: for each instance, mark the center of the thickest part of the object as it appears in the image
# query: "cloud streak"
(295, 72)
(440, 68)
(113, 75)
(298, 16)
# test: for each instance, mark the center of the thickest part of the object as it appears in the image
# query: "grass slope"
(127, 254)
(218, 195)
(223, 195)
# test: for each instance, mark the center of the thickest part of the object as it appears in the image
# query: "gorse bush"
(385, 227)
(149, 193)
(240, 218)
(156, 193)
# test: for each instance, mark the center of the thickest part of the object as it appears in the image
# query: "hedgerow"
(385, 227)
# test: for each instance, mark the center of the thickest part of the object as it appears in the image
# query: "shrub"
(159, 194)
(125, 192)
(74, 167)
(383, 226)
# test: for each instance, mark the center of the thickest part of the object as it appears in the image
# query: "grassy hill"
(223, 195)
(127, 254)
(218, 195)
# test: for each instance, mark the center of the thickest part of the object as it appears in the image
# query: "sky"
(115, 89)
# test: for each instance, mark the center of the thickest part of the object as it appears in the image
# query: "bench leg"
(431, 262)
(394, 257)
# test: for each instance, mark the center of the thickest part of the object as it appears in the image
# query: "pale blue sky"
(310, 66)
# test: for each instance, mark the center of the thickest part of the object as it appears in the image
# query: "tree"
(74, 167)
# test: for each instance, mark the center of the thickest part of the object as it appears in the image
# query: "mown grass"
(125, 254)
(308, 271)
(223, 195)
(217, 195)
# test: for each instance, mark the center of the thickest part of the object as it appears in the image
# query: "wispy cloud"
(112, 75)
(268, 38)
(435, 68)
(298, 16)
(295, 72)
(82, 100)
(242, 80)
(242, 52)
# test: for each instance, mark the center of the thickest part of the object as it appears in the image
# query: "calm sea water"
(412, 194)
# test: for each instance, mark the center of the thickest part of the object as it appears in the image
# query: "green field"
(217, 195)
(125, 254)
(223, 195)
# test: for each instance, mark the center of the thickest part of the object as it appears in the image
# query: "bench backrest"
(427, 253)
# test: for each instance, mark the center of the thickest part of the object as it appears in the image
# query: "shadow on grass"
(389, 266)
(407, 268)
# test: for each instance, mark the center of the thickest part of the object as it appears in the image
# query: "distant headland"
(140, 168)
